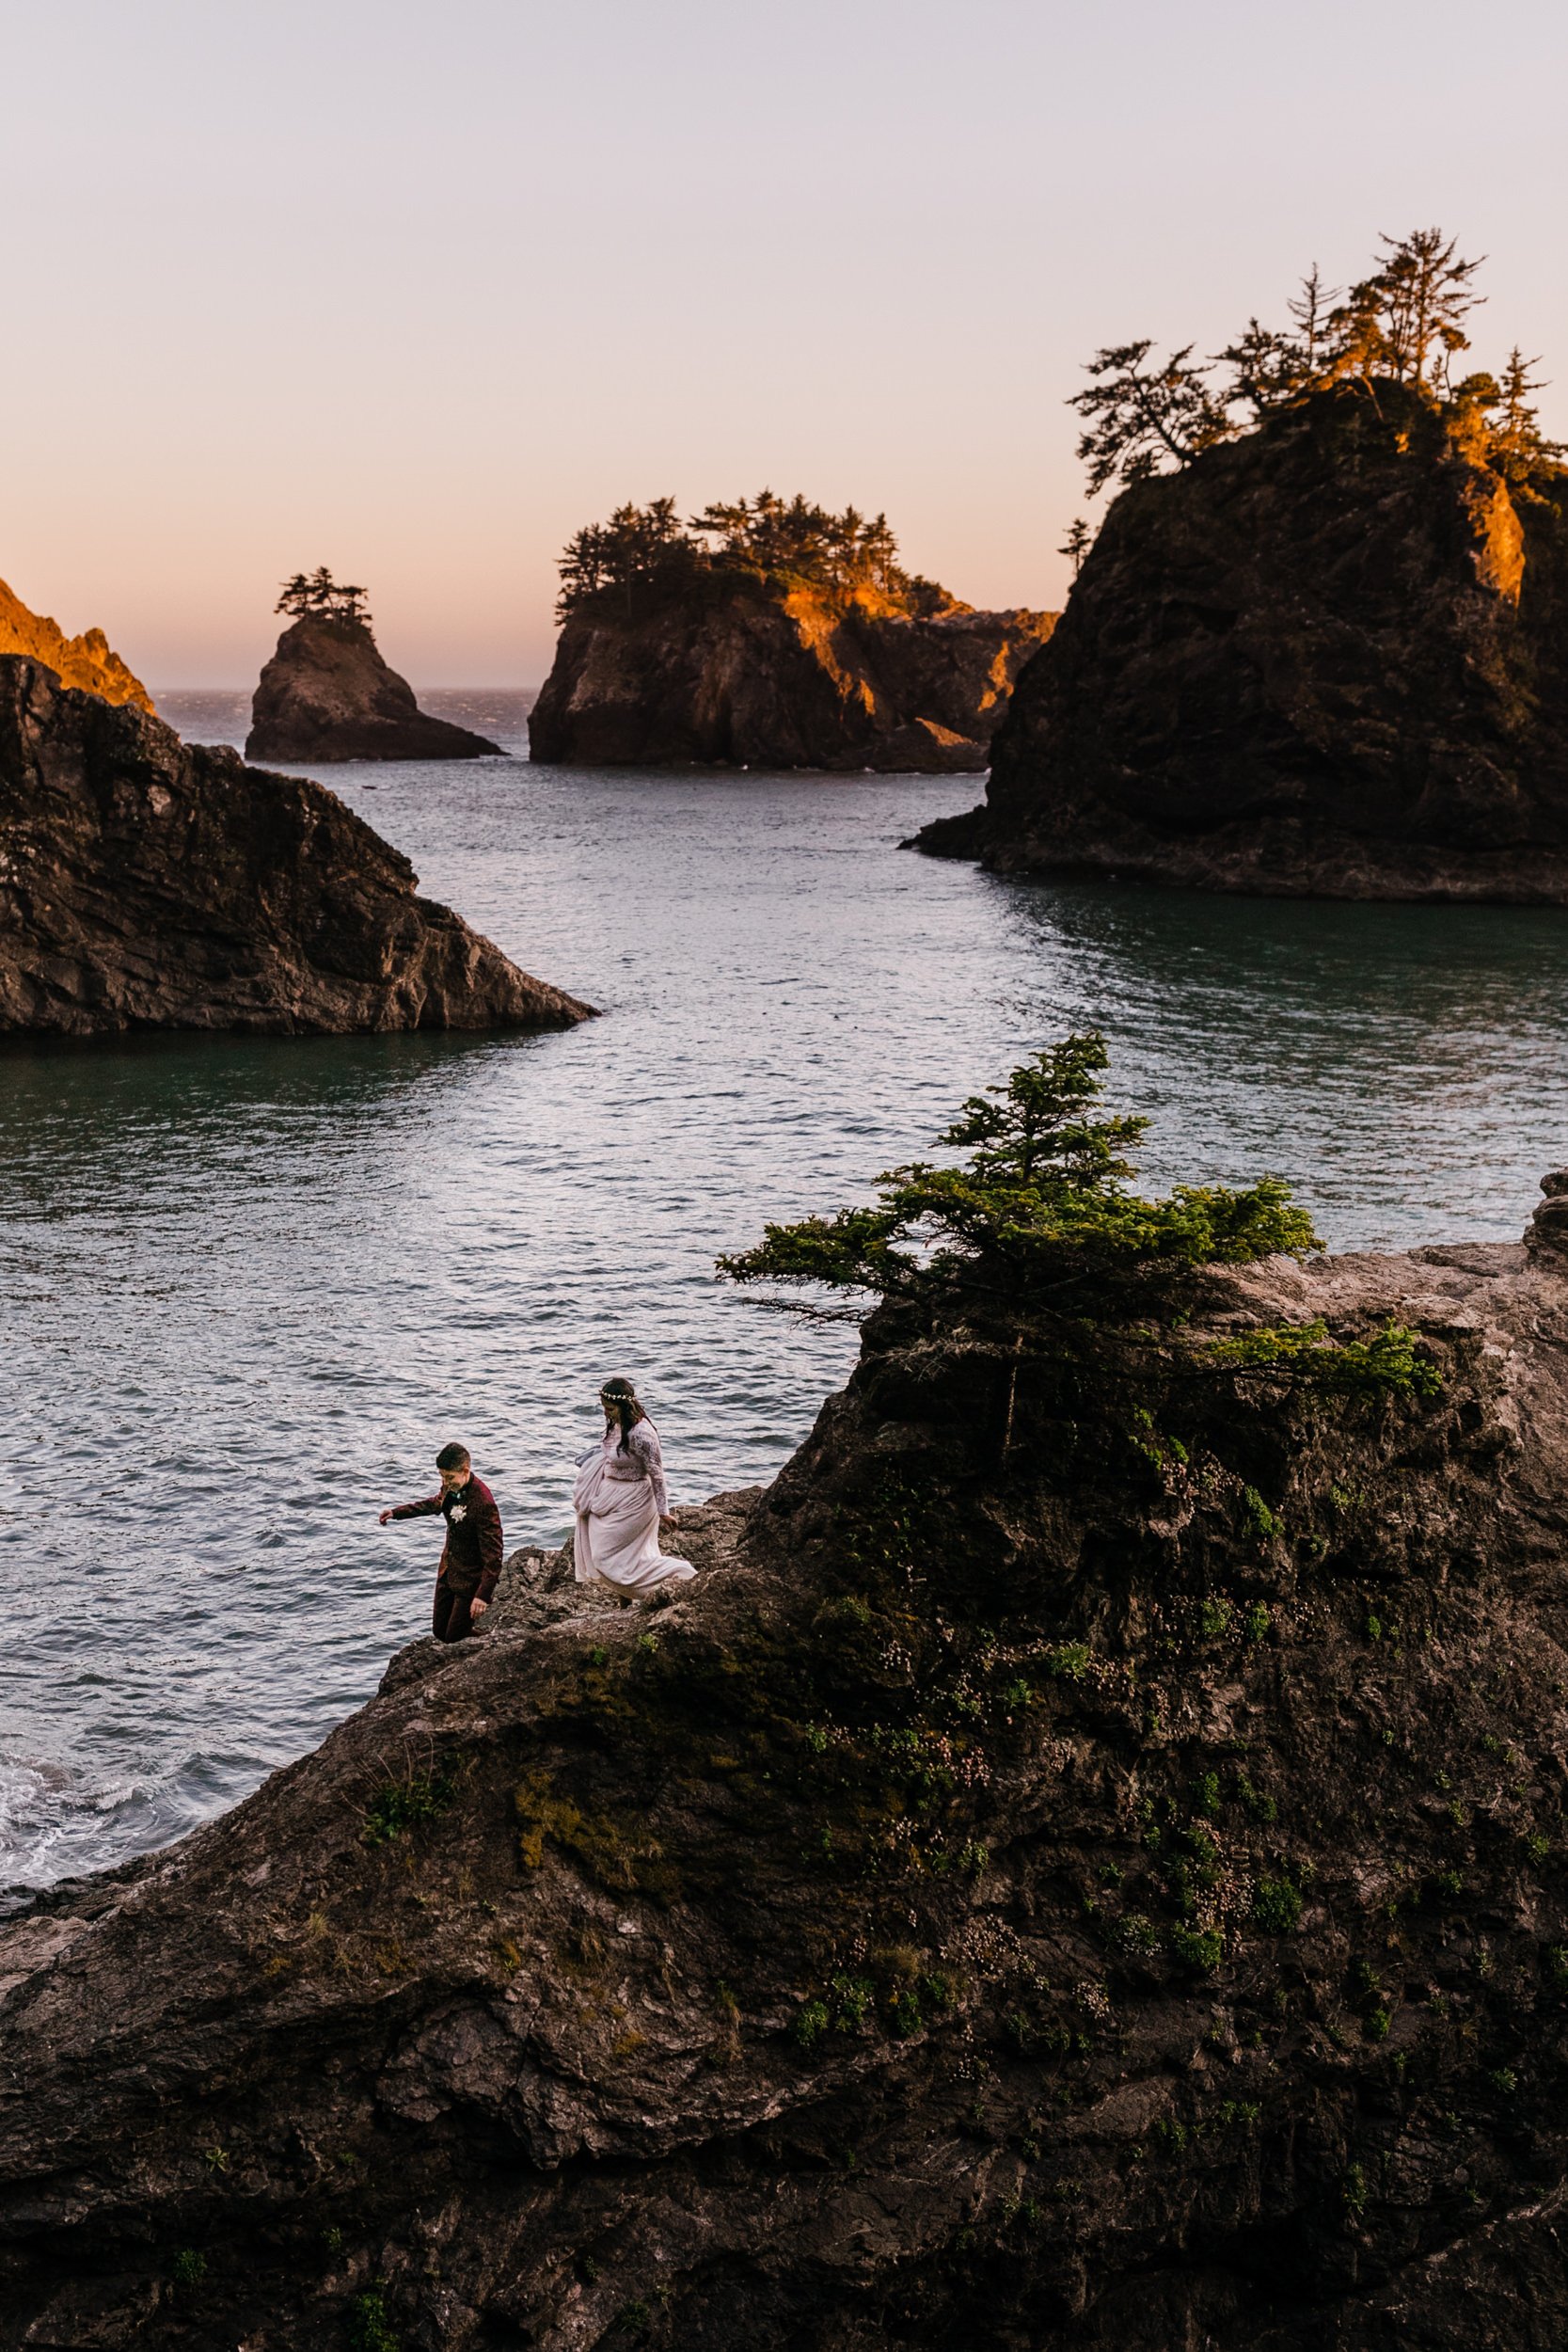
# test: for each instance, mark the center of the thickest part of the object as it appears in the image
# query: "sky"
(416, 290)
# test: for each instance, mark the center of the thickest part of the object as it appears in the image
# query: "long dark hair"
(619, 1399)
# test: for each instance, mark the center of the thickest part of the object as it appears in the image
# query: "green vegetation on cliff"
(1043, 1199)
(1083, 1865)
(643, 559)
(1404, 323)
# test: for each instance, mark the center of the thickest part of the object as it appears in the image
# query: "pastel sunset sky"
(415, 290)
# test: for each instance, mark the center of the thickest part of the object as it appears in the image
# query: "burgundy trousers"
(450, 1619)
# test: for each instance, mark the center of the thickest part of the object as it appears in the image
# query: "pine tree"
(317, 596)
(1140, 416)
(642, 550)
(1518, 446)
(1310, 308)
(1268, 369)
(1077, 543)
(1406, 319)
(1045, 1188)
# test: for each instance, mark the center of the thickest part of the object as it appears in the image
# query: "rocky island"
(1325, 655)
(770, 634)
(87, 662)
(144, 883)
(1085, 1866)
(327, 694)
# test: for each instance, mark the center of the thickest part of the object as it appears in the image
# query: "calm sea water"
(252, 1286)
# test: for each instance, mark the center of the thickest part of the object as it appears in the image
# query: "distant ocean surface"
(251, 1286)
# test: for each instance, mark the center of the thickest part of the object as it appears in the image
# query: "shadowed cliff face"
(327, 694)
(808, 680)
(1085, 1865)
(85, 662)
(145, 884)
(1330, 658)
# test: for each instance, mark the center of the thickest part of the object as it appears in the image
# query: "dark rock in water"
(87, 662)
(1330, 658)
(327, 694)
(1067, 1875)
(148, 884)
(812, 678)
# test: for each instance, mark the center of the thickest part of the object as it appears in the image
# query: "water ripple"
(252, 1284)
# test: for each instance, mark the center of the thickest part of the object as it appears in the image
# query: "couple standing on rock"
(620, 1505)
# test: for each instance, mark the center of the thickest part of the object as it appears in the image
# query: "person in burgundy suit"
(471, 1560)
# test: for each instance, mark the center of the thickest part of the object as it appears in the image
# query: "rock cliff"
(808, 678)
(327, 694)
(1086, 1866)
(1330, 658)
(85, 662)
(145, 884)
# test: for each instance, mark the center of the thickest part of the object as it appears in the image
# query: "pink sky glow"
(414, 292)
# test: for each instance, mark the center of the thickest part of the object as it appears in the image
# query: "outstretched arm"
(422, 1510)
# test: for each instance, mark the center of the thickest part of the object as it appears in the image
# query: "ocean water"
(251, 1286)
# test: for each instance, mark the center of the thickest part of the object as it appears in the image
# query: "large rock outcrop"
(811, 678)
(1330, 658)
(327, 694)
(146, 885)
(1086, 1866)
(87, 662)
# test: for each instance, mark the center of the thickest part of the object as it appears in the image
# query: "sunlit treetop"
(1406, 322)
(645, 556)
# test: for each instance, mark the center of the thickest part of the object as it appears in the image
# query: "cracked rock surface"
(1085, 1864)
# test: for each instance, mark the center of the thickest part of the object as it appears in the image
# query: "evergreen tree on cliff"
(764, 632)
(327, 695)
(317, 596)
(1321, 643)
(1405, 322)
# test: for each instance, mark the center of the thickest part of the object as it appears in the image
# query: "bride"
(620, 1501)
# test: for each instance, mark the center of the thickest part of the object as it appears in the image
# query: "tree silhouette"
(644, 558)
(1424, 292)
(639, 547)
(1268, 369)
(317, 596)
(1515, 443)
(1405, 323)
(1140, 416)
(1076, 544)
(1311, 310)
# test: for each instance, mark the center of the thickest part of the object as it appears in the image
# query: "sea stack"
(147, 885)
(327, 695)
(1083, 1865)
(797, 641)
(86, 662)
(1328, 657)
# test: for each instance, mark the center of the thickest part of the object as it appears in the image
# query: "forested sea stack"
(1083, 1865)
(1327, 654)
(145, 884)
(770, 634)
(327, 695)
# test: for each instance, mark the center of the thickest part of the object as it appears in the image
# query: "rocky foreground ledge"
(144, 883)
(1079, 1868)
